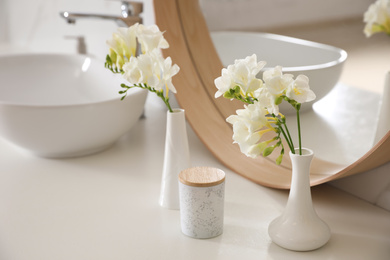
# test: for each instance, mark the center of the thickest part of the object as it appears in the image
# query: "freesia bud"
(267, 151)
(278, 100)
(228, 95)
(113, 55)
(119, 62)
(279, 159)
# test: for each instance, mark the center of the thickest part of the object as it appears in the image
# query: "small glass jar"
(202, 192)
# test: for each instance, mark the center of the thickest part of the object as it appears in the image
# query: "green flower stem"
(161, 95)
(247, 100)
(145, 86)
(289, 142)
(299, 132)
(289, 136)
(286, 133)
(166, 101)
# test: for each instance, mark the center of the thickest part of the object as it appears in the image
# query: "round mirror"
(333, 128)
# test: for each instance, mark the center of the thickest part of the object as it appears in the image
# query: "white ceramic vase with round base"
(299, 228)
(176, 158)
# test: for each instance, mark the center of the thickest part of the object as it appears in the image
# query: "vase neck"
(300, 194)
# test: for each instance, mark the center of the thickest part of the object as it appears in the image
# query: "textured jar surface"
(202, 210)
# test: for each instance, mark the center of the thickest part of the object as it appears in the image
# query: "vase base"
(299, 228)
(305, 236)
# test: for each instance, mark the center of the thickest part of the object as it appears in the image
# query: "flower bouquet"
(261, 112)
(298, 227)
(135, 52)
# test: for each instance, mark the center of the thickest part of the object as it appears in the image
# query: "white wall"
(37, 26)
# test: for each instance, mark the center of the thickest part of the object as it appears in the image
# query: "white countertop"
(105, 206)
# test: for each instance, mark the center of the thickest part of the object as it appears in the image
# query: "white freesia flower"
(247, 127)
(151, 69)
(124, 42)
(116, 51)
(115, 43)
(277, 82)
(271, 73)
(300, 91)
(223, 83)
(129, 41)
(377, 18)
(243, 74)
(115, 58)
(150, 37)
(141, 70)
(167, 72)
(132, 72)
(266, 99)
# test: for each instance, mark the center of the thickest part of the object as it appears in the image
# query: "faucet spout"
(120, 21)
(130, 15)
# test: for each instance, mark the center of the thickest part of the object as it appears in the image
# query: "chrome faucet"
(130, 15)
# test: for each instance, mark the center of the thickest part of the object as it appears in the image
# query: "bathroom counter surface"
(105, 206)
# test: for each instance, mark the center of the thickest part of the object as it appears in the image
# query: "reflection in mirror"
(314, 21)
(340, 127)
(354, 97)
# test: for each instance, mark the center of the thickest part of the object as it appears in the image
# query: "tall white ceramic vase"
(299, 228)
(176, 158)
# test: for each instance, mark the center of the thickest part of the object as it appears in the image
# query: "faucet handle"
(81, 46)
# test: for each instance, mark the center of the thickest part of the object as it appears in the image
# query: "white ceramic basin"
(321, 63)
(63, 105)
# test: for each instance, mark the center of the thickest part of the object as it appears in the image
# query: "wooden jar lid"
(202, 176)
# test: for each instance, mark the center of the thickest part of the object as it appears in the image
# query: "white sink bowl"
(321, 63)
(63, 105)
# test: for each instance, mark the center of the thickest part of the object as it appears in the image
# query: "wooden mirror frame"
(193, 50)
